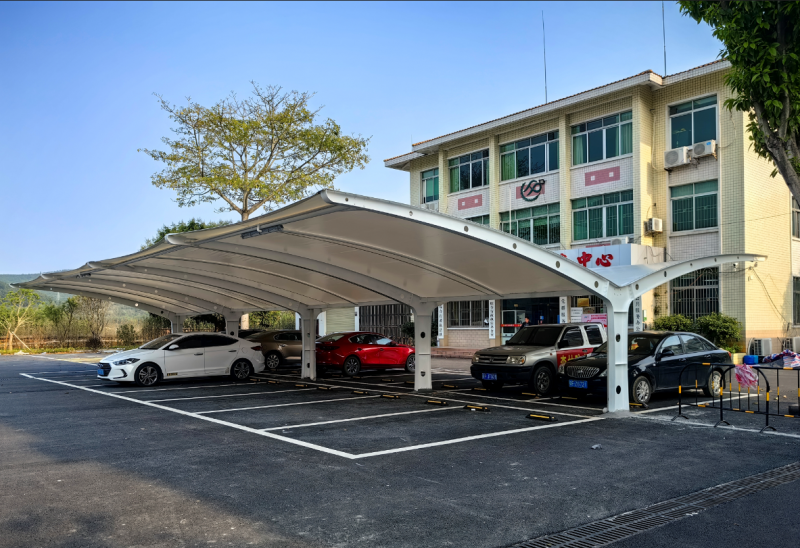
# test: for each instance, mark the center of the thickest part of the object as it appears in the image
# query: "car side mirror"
(666, 354)
(173, 347)
(392, 343)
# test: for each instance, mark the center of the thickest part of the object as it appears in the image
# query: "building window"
(603, 216)
(603, 138)
(468, 314)
(480, 219)
(529, 156)
(540, 225)
(430, 185)
(696, 294)
(693, 122)
(469, 171)
(386, 319)
(795, 218)
(796, 301)
(694, 206)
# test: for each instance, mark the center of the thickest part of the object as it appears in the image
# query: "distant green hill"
(6, 279)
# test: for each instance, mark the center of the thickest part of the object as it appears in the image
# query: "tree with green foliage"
(762, 42)
(675, 322)
(63, 317)
(181, 226)
(17, 309)
(260, 152)
(274, 319)
(94, 313)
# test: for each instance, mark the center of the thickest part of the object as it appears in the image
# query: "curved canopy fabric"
(340, 250)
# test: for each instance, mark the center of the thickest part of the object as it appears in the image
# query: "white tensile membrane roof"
(336, 250)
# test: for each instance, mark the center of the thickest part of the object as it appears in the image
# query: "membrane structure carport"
(335, 250)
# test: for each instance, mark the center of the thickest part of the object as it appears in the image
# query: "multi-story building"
(644, 169)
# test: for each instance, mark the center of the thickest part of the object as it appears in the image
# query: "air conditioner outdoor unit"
(708, 148)
(434, 206)
(761, 347)
(655, 225)
(795, 344)
(620, 241)
(676, 157)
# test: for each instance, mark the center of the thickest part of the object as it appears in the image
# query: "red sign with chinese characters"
(606, 175)
(468, 202)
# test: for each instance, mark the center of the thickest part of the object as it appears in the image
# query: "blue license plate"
(579, 384)
(489, 376)
(101, 372)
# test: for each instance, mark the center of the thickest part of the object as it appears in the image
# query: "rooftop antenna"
(544, 48)
(664, 34)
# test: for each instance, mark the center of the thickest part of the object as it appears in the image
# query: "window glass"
(476, 156)
(677, 109)
(593, 334)
(383, 341)
(705, 125)
(611, 120)
(705, 211)
(682, 131)
(555, 229)
(537, 160)
(522, 144)
(540, 231)
(612, 142)
(707, 186)
(672, 343)
(796, 301)
(705, 102)
(626, 139)
(161, 342)
(694, 212)
(626, 116)
(580, 225)
(693, 344)
(508, 167)
(536, 336)
(552, 151)
(596, 223)
(464, 172)
(682, 216)
(468, 313)
(468, 171)
(554, 208)
(594, 125)
(678, 191)
(579, 203)
(595, 146)
(611, 198)
(611, 221)
(615, 219)
(695, 294)
(579, 149)
(506, 148)
(626, 196)
(594, 201)
(524, 229)
(363, 338)
(193, 341)
(477, 174)
(332, 337)
(454, 179)
(573, 337)
(463, 159)
(626, 219)
(641, 345)
(522, 163)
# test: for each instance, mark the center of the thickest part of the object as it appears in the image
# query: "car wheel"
(241, 370)
(641, 390)
(147, 374)
(352, 366)
(272, 361)
(411, 363)
(542, 381)
(711, 388)
(492, 385)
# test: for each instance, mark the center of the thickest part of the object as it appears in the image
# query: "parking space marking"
(529, 401)
(667, 420)
(198, 387)
(292, 427)
(471, 438)
(262, 393)
(280, 405)
(201, 417)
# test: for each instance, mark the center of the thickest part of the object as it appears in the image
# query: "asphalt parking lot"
(350, 462)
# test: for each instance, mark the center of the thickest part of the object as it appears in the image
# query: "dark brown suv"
(279, 347)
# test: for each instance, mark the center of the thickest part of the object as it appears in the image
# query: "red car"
(357, 350)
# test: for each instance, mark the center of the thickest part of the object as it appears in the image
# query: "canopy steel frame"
(336, 250)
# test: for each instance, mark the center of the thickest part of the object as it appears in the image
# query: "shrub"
(126, 335)
(720, 329)
(675, 322)
(94, 342)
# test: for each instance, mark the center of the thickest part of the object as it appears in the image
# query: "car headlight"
(516, 360)
(603, 373)
(126, 361)
(561, 368)
(475, 358)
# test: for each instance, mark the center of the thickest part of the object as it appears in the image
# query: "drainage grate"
(607, 531)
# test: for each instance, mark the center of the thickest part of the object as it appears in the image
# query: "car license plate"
(489, 376)
(101, 372)
(579, 384)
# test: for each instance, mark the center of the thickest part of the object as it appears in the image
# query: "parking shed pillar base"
(308, 329)
(618, 397)
(422, 346)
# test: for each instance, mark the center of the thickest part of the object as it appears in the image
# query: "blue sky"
(78, 79)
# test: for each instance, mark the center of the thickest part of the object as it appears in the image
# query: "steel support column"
(308, 320)
(617, 380)
(422, 345)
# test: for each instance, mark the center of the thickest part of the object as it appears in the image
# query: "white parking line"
(198, 387)
(307, 444)
(292, 427)
(201, 417)
(471, 438)
(280, 405)
(262, 393)
(540, 402)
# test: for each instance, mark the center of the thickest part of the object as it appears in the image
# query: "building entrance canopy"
(336, 250)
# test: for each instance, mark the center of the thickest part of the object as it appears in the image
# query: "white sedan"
(178, 356)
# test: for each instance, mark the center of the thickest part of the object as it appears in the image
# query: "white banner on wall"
(440, 335)
(491, 319)
(638, 319)
(562, 310)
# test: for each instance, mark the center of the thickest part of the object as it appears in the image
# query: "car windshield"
(639, 345)
(331, 338)
(538, 335)
(161, 341)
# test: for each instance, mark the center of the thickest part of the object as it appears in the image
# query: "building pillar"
(356, 321)
(232, 325)
(422, 346)
(494, 182)
(617, 379)
(444, 181)
(565, 181)
(177, 324)
(308, 319)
